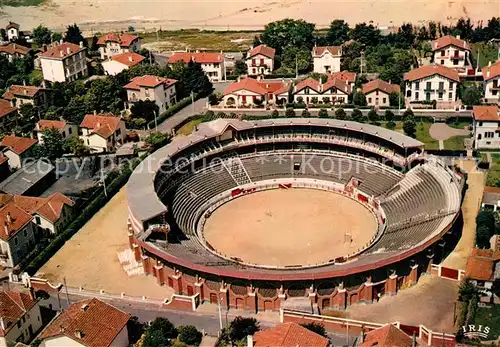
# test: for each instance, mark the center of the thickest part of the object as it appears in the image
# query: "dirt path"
(441, 131)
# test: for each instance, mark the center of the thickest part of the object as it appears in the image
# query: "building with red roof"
(158, 89)
(377, 92)
(432, 83)
(326, 59)
(254, 92)
(8, 114)
(17, 149)
(111, 44)
(119, 62)
(346, 76)
(485, 126)
(20, 317)
(483, 268)
(452, 52)
(64, 62)
(491, 85)
(212, 63)
(14, 51)
(287, 335)
(90, 323)
(312, 91)
(66, 129)
(22, 94)
(387, 336)
(260, 60)
(102, 132)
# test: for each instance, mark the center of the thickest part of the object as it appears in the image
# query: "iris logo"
(472, 331)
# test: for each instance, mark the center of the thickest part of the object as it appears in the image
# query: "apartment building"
(211, 63)
(377, 92)
(491, 84)
(326, 59)
(158, 89)
(452, 52)
(112, 44)
(260, 60)
(64, 62)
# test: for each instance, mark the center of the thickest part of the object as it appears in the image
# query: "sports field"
(284, 227)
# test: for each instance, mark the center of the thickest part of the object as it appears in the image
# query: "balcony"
(258, 65)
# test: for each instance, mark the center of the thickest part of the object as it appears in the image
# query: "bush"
(340, 114)
(323, 113)
(275, 114)
(290, 113)
(305, 113)
(189, 335)
(316, 328)
(241, 327)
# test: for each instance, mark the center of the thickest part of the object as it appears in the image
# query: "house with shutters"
(377, 92)
(491, 84)
(102, 132)
(14, 51)
(160, 90)
(250, 92)
(64, 62)
(326, 59)
(260, 60)
(112, 44)
(120, 62)
(312, 91)
(211, 63)
(451, 52)
(19, 95)
(17, 150)
(346, 76)
(486, 127)
(13, 31)
(8, 115)
(66, 129)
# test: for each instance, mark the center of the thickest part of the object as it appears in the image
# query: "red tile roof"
(198, 57)
(448, 40)
(20, 91)
(381, 85)
(62, 51)
(103, 125)
(349, 77)
(387, 336)
(488, 189)
(12, 219)
(6, 108)
(289, 335)
(3, 158)
(321, 88)
(91, 322)
(129, 58)
(263, 50)
(13, 305)
(259, 87)
(125, 40)
(491, 71)
(431, 70)
(18, 145)
(481, 263)
(48, 124)
(320, 50)
(49, 208)
(149, 81)
(14, 48)
(486, 113)
(12, 25)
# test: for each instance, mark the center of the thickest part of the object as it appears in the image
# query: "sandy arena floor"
(289, 227)
(89, 259)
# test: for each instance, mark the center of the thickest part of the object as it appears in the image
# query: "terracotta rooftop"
(149, 81)
(92, 323)
(103, 125)
(129, 58)
(289, 335)
(125, 40)
(12, 219)
(486, 113)
(320, 50)
(448, 40)
(197, 57)
(387, 336)
(50, 208)
(480, 264)
(6, 108)
(323, 87)
(349, 77)
(381, 85)
(263, 50)
(259, 87)
(20, 91)
(48, 124)
(13, 305)
(431, 70)
(14, 48)
(18, 145)
(491, 71)
(62, 51)
(13, 25)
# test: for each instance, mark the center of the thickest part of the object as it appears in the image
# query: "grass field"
(487, 53)
(493, 178)
(455, 143)
(18, 3)
(489, 317)
(424, 136)
(188, 128)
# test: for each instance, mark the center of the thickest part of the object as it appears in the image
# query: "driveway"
(441, 131)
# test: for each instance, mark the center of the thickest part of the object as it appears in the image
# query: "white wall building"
(66, 129)
(14, 51)
(158, 89)
(211, 63)
(451, 52)
(491, 84)
(432, 83)
(377, 92)
(64, 62)
(112, 44)
(102, 132)
(254, 92)
(327, 59)
(119, 62)
(485, 125)
(17, 150)
(260, 60)
(311, 91)
(12, 31)
(19, 95)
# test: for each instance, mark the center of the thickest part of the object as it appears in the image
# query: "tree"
(483, 237)
(359, 99)
(3, 34)
(76, 110)
(150, 57)
(157, 139)
(154, 338)
(290, 112)
(466, 290)
(74, 35)
(240, 67)
(241, 327)
(213, 99)
(323, 113)
(76, 146)
(316, 328)
(295, 57)
(472, 95)
(410, 126)
(389, 116)
(340, 114)
(408, 113)
(288, 32)
(189, 335)
(373, 116)
(357, 116)
(256, 41)
(52, 146)
(28, 113)
(365, 34)
(495, 288)
(396, 99)
(432, 30)
(194, 79)
(486, 218)
(305, 113)
(42, 35)
(144, 109)
(56, 37)
(338, 33)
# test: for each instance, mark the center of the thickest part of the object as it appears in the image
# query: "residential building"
(388, 335)
(246, 92)
(491, 84)
(64, 62)
(87, 323)
(66, 129)
(50, 214)
(491, 198)
(346, 76)
(14, 51)
(451, 52)
(483, 268)
(112, 44)
(8, 115)
(4, 167)
(102, 132)
(119, 62)
(311, 91)
(17, 149)
(377, 92)
(158, 89)
(211, 63)
(326, 59)
(260, 60)
(12, 31)
(287, 335)
(19, 95)
(20, 317)
(485, 126)
(17, 235)
(432, 83)
(32, 179)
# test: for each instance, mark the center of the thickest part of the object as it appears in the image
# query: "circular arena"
(329, 212)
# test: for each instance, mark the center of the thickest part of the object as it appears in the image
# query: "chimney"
(14, 45)
(61, 41)
(81, 44)
(61, 53)
(238, 79)
(2, 324)
(458, 37)
(61, 329)
(249, 341)
(24, 83)
(489, 63)
(414, 340)
(68, 50)
(9, 217)
(130, 58)
(79, 334)
(95, 113)
(85, 307)
(44, 48)
(259, 78)
(6, 229)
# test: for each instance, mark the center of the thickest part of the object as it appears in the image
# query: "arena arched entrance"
(239, 303)
(213, 298)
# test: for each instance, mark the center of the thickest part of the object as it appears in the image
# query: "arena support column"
(281, 296)
(413, 276)
(339, 300)
(198, 287)
(367, 293)
(430, 261)
(251, 301)
(177, 283)
(392, 284)
(312, 294)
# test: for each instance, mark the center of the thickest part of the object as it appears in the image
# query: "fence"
(448, 273)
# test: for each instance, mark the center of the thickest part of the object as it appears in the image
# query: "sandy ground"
(299, 226)
(223, 14)
(89, 259)
(442, 131)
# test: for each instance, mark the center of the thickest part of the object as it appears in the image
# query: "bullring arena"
(329, 212)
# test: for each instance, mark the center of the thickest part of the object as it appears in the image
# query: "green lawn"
(489, 317)
(188, 128)
(18, 3)
(424, 136)
(455, 143)
(487, 53)
(493, 178)
(459, 125)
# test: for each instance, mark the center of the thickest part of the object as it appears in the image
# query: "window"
(376, 93)
(70, 130)
(450, 96)
(480, 124)
(489, 134)
(146, 92)
(15, 241)
(443, 53)
(451, 85)
(416, 96)
(369, 100)
(442, 62)
(37, 218)
(440, 96)
(25, 233)
(384, 100)
(441, 85)
(428, 85)
(118, 131)
(417, 85)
